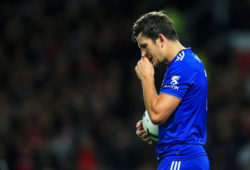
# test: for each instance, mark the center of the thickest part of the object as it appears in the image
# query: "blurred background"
(69, 96)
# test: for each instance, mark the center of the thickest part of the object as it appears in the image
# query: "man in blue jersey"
(180, 109)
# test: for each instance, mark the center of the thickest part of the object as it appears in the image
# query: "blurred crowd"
(69, 97)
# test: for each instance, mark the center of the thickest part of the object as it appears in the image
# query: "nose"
(143, 53)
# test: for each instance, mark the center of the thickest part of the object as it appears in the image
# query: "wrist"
(147, 80)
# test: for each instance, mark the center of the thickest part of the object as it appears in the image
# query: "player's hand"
(141, 133)
(144, 68)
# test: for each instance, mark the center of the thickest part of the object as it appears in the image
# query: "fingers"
(139, 124)
(138, 69)
(142, 62)
(145, 59)
(139, 63)
(145, 137)
(138, 66)
(141, 133)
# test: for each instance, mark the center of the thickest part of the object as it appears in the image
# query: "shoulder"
(185, 67)
(181, 65)
(186, 61)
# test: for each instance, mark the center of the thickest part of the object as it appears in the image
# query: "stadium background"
(69, 96)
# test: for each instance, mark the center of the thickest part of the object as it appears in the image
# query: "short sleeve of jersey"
(178, 79)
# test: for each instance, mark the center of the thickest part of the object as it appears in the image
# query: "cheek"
(155, 54)
(152, 52)
(148, 53)
(160, 54)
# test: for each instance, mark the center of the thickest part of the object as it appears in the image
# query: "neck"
(173, 48)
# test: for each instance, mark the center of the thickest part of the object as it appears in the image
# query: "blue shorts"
(196, 163)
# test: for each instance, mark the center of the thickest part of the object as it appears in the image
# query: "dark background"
(69, 96)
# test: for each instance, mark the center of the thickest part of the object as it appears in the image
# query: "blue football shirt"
(183, 135)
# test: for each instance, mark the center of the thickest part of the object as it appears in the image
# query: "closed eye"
(143, 46)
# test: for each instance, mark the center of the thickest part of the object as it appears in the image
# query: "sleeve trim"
(172, 95)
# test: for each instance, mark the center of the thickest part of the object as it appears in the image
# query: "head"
(152, 31)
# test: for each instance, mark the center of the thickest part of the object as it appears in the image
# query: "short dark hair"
(153, 23)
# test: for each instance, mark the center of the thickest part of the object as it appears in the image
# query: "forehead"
(143, 39)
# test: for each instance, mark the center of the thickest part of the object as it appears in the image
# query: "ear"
(162, 39)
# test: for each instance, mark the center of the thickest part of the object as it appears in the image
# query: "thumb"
(138, 124)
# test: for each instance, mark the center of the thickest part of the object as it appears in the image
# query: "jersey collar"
(186, 51)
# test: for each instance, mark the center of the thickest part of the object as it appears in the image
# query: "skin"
(159, 107)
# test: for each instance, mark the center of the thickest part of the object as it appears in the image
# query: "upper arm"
(175, 85)
(167, 104)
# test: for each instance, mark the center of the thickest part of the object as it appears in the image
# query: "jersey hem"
(178, 158)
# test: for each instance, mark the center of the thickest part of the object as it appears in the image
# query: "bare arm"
(159, 107)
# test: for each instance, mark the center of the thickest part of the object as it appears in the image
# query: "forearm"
(151, 98)
(159, 107)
